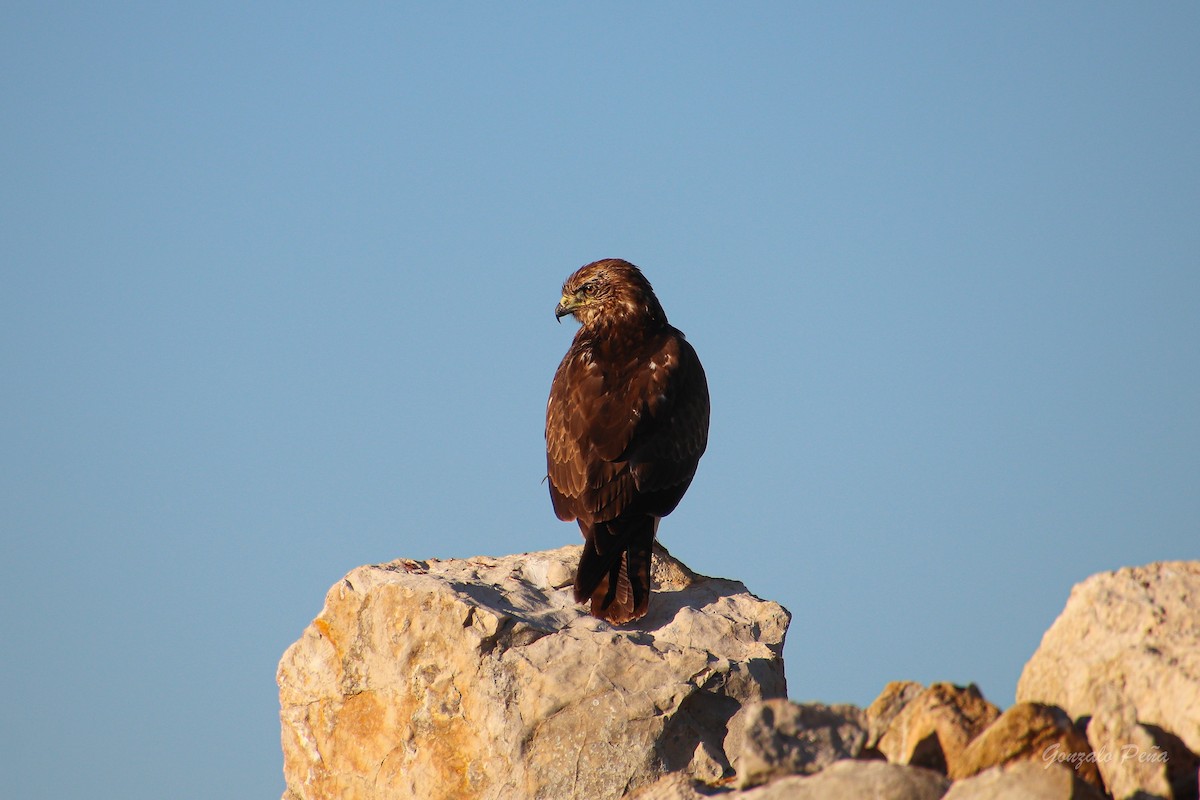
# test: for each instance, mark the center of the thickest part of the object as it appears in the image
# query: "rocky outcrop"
(483, 678)
(1135, 631)
(1125, 652)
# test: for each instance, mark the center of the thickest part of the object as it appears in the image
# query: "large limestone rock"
(1135, 632)
(483, 678)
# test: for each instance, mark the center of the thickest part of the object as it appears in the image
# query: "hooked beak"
(566, 305)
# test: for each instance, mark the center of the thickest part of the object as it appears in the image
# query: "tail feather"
(614, 570)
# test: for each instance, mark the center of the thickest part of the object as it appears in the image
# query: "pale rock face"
(1132, 763)
(842, 780)
(1125, 652)
(772, 738)
(674, 786)
(1135, 631)
(1026, 780)
(483, 678)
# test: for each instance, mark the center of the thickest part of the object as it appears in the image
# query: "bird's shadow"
(665, 606)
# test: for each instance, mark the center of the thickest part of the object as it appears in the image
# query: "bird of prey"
(626, 424)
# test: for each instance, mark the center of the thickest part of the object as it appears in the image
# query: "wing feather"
(626, 433)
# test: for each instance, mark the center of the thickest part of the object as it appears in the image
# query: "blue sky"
(278, 291)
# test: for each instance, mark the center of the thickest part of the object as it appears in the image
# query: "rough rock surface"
(771, 738)
(1136, 629)
(933, 728)
(843, 780)
(1132, 763)
(891, 701)
(675, 786)
(1024, 780)
(1029, 732)
(877, 780)
(483, 678)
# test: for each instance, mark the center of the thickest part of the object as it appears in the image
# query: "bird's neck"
(615, 335)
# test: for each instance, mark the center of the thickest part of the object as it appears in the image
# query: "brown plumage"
(626, 424)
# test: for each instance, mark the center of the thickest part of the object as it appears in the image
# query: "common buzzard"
(626, 424)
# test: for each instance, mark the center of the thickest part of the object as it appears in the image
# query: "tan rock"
(777, 737)
(877, 780)
(483, 678)
(1132, 763)
(1024, 780)
(708, 764)
(894, 697)
(933, 728)
(1135, 631)
(675, 786)
(1029, 732)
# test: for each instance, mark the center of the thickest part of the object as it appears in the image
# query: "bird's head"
(609, 292)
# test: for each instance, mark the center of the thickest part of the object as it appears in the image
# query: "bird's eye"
(588, 288)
